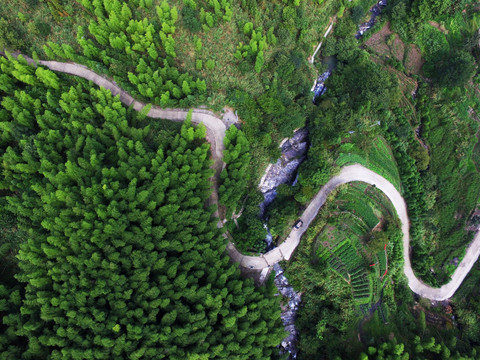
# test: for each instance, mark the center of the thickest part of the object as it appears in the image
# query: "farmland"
(349, 265)
(353, 242)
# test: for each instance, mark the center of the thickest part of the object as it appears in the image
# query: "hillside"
(133, 137)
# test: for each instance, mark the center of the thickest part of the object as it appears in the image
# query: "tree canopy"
(122, 258)
(452, 69)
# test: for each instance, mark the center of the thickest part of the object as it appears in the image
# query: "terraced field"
(345, 243)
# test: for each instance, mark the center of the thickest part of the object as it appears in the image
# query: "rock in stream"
(284, 170)
(289, 312)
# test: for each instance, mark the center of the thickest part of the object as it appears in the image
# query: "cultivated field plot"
(345, 242)
(385, 43)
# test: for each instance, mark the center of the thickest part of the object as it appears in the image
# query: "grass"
(220, 43)
(35, 23)
(382, 266)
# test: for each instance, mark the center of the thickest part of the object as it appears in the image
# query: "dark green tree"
(451, 69)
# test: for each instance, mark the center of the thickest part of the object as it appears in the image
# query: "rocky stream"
(284, 171)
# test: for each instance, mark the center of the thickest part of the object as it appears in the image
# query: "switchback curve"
(215, 134)
(360, 173)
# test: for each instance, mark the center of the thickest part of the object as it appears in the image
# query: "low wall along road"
(216, 132)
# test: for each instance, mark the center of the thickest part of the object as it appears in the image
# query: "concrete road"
(216, 132)
(360, 173)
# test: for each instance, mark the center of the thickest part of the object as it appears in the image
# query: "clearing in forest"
(386, 43)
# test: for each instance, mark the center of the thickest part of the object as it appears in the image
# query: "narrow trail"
(216, 132)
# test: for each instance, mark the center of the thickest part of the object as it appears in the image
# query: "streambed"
(294, 151)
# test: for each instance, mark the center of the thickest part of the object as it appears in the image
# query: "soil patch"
(414, 61)
(438, 26)
(386, 43)
(378, 41)
(398, 48)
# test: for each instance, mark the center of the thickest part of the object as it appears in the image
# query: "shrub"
(43, 28)
(190, 20)
(210, 64)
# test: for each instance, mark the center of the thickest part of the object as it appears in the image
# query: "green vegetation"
(377, 157)
(120, 257)
(452, 70)
(109, 247)
(116, 44)
(234, 177)
(355, 311)
(451, 185)
(349, 243)
(445, 186)
(340, 268)
(28, 24)
(436, 172)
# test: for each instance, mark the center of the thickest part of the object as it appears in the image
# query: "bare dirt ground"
(386, 43)
(378, 41)
(438, 26)
(414, 61)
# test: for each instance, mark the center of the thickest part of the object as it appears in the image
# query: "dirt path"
(216, 132)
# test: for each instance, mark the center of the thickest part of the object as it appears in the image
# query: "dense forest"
(118, 257)
(109, 243)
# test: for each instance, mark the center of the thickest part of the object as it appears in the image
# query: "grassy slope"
(377, 156)
(445, 129)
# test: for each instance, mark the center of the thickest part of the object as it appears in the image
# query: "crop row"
(381, 155)
(362, 209)
(323, 253)
(383, 313)
(351, 259)
(356, 224)
(379, 159)
(348, 159)
(361, 290)
(344, 244)
(362, 295)
(357, 270)
(359, 285)
(338, 266)
(382, 260)
(381, 201)
(346, 253)
(374, 286)
(364, 292)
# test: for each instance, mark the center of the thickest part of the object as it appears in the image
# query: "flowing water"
(319, 87)
(375, 10)
(283, 172)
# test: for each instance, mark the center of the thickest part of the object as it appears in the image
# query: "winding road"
(216, 132)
